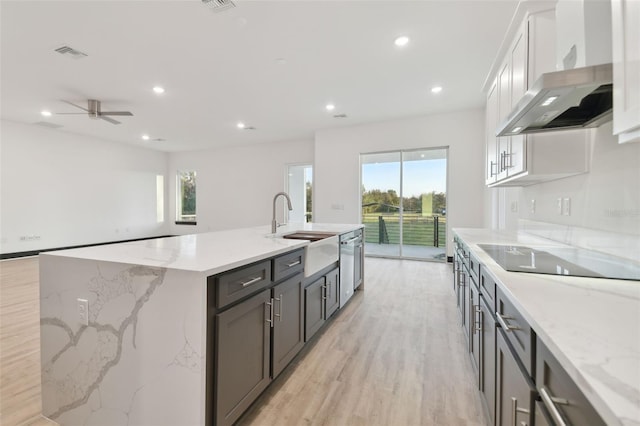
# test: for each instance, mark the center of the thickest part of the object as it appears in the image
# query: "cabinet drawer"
(238, 283)
(488, 289)
(517, 330)
(288, 264)
(559, 394)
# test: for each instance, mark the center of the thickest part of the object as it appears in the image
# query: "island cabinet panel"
(314, 301)
(561, 399)
(288, 322)
(236, 284)
(242, 356)
(488, 357)
(358, 256)
(332, 292)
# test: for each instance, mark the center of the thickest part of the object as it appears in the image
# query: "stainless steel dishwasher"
(348, 243)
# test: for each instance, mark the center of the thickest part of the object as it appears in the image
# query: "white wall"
(235, 185)
(607, 198)
(72, 190)
(337, 164)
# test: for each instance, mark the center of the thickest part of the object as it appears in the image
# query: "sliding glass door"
(404, 203)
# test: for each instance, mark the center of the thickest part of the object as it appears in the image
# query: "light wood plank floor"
(395, 355)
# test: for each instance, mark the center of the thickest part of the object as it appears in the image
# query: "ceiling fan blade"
(77, 106)
(115, 113)
(110, 120)
(70, 113)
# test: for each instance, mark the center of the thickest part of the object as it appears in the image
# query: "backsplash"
(598, 210)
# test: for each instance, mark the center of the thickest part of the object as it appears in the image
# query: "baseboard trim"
(29, 253)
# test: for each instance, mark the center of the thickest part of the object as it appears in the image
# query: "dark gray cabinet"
(288, 322)
(332, 292)
(488, 357)
(314, 307)
(515, 393)
(475, 324)
(321, 300)
(242, 359)
(561, 400)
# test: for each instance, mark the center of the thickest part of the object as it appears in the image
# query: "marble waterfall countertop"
(209, 253)
(591, 325)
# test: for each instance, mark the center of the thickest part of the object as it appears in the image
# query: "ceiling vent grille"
(70, 51)
(218, 5)
(47, 124)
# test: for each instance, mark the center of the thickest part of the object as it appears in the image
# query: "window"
(300, 190)
(186, 198)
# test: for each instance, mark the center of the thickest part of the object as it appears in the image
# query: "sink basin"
(322, 251)
(308, 235)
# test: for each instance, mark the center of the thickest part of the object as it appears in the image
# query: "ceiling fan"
(94, 111)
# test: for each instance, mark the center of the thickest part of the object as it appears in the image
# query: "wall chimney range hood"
(568, 99)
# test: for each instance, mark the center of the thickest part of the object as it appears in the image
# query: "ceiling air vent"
(71, 52)
(218, 5)
(340, 116)
(47, 124)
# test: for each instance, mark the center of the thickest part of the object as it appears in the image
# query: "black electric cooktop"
(562, 261)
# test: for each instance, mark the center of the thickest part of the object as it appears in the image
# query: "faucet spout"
(274, 224)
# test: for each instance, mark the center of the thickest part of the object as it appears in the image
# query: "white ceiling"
(271, 64)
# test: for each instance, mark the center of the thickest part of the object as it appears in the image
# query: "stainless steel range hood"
(569, 99)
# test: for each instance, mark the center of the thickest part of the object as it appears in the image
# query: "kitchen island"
(125, 327)
(590, 326)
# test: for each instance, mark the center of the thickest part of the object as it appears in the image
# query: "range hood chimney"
(580, 94)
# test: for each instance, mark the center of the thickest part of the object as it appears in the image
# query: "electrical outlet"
(83, 311)
(566, 206)
(533, 206)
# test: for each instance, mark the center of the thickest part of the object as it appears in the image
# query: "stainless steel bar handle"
(550, 402)
(491, 166)
(515, 410)
(324, 292)
(503, 323)
(279, 314)
(270, 320)
(349, 241)
(297, 262)
(478, 324)
(251, 281)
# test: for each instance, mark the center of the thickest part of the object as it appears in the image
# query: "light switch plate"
(566, 206)
(533, 206)
(559, 206)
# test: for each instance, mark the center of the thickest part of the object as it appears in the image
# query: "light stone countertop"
(208, 253)
(591, 325)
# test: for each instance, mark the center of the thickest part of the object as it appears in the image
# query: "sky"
(420, 177)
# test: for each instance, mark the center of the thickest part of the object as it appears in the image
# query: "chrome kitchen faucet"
(274, 224)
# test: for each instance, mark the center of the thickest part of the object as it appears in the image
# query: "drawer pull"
(297, 262)
(502, 320)
(251, 281)
(550, 402)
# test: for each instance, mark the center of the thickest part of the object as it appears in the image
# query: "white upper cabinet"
(625, 15)
(527, 159)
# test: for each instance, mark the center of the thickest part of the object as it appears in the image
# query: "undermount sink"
(322, 251)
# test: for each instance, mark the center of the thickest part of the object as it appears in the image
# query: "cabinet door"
(331, 293)
(516, 155)
(475, 322)
(488, 357)
(504, 108)
(460, 293)
(314, 307)
(514, 391)
(625, 16)
(288, 322)
(243, 329)
(491, 140)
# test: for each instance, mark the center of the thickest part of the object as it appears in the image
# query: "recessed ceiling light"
(145, 137)
(241, 125)
(46, 113)
(330, 107)
(158, 89)
(436, 89)
(401, 41)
